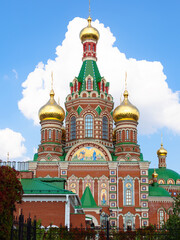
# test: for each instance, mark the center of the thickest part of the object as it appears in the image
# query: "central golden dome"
(51, 110)
(162, 151)
(89, 32)
(125, 111)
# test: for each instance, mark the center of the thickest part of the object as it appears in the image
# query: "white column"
(67, 212)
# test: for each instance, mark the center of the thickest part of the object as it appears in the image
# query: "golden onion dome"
(154, 175)
(125, 111)
(51, 110)
(162, 151)
(89, 32)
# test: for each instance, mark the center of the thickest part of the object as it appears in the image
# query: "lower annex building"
(103, 166)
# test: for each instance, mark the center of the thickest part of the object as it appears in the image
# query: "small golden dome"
(125, 111)
(154, 175)
(162, 151)
(51, 110)
(89, 32)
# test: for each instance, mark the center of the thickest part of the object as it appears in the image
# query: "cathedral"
(90, 152)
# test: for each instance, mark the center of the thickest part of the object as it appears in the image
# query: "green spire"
(89, 67)
(87, 199)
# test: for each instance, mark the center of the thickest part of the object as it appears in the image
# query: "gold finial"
(52, 80)
(161, 139)
(125, 80)
(52, 91)
(8, 157)
(154, 175)
(89, 8)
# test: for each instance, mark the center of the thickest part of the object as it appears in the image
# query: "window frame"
(73, 128)
(89, 126)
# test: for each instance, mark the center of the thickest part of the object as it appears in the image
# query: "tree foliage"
(10, 192)
(173, 223)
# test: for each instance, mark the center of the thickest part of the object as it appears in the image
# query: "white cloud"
(15, 72)
(12, 142)
(159, 106)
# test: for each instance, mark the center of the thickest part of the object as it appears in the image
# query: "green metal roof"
(57, 182)
(35, 186)
(87, 199)
(89, 67)
(164, 173)
(156, 191)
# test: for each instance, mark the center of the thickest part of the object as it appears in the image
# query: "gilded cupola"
(51, 110)
(126, 111)
(162, 151)
(89, 32)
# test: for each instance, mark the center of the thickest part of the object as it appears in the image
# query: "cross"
(52, 80)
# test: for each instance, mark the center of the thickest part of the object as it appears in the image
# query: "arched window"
(73, 128)
(76, 86)
(88, 126)
(161, 218)
(105, 128)
(57, 134)
(120, 135)
(102, 86)
(84, 47)
(134, 135)
(93, 47)
(43, 135)
(127, 134)
(89, 47)
(128, 197)
(49, 133)
(89, 84)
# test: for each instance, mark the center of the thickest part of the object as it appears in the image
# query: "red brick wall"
(77, 220)
(48, 212)
(153, 213)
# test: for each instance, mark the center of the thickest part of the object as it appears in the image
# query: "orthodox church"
(99, 164)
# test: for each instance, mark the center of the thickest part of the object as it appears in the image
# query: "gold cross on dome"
(52, 80)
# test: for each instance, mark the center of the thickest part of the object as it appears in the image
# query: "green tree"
(173, 223)
(10, 192)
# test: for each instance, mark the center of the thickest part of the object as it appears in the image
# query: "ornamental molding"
(89, 110)
(160, 199)
(88, 144)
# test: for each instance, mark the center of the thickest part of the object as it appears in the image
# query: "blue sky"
(31, 31)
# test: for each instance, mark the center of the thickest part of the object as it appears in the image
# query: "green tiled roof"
(156, 191)
(57, 182)
(35, 157)
(164, 173)
(35, 186)
(89, 67)
(87, 199)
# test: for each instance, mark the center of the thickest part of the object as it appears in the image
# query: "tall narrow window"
(128, 197)
(84, 47)
(43, 135)
(88, 126)
(89, 84)
(161, 218)
(120, 135)
(73, 128)
(105, 128)
(102, 86)
(57, 134)
(89, 47)
(127, 134)
(49, 133)
(134, 136)
(93, 47)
